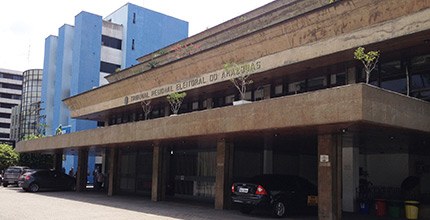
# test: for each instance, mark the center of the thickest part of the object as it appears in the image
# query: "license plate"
(243, 190)
(312, 200)
(11, 181)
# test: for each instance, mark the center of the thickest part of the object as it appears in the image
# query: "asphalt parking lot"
(17, 204)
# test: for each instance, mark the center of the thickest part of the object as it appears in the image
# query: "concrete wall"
(63, 77)
(86, 60)
(149, 30)
(48, 84)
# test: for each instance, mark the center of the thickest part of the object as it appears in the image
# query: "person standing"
(100, 179)
(71, 172)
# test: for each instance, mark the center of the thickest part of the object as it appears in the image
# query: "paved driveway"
(17, 204)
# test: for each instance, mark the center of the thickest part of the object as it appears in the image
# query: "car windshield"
(13, 170)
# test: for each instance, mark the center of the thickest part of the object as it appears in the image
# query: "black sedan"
(35, 180)
(280, 193)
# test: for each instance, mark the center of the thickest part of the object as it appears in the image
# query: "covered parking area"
(325, 136)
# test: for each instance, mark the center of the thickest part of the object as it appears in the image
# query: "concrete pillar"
(223, 178)
(167, 110)
(350, 172)
(329, 177)
(268, 154)
(266, 91)
(58, 160)
(209, 103)
(113, 170)
(351, 75)
(158, 193)
(81, 175)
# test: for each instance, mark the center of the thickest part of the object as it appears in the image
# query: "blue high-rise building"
(78, 59)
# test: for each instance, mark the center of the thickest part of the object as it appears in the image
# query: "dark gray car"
(12, 174)
(35, 180)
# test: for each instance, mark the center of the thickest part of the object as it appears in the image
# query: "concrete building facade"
(82, 55)
(78, 59)
(10, 96)
(310, 112)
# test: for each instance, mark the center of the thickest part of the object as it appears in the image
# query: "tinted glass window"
(108, 67)
(111, 42)
(13, 170)
(42, 174)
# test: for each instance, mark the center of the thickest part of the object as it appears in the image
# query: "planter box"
(240, 102)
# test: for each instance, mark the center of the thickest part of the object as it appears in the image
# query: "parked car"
(12, 174)
(35, 180)
(282, 194)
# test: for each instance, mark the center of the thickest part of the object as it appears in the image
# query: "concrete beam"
(357, 103)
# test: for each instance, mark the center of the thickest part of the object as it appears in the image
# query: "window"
(338, 79)
(229, 99)
(100, 124)
(317, 83)
(7, 105)
(10, 86)
(132, 44)
(108, 67)
(297, 87)
(195, 105)
(279, 89)
(259, 94)
(134, 18)
(111, 42)
(3, 135)
(420, 76)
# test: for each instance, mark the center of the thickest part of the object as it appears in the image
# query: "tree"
(8, 156)
(369, 60)
(175, 100)
(241, 81)
(147, 108)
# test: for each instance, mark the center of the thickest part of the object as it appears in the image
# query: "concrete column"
(329, 179)
(351, 75)
(157, 193)
(350, 174)
(81, 175)
(167, 110)
(223, 178)
(113, 170)
(266, 91)
(58, 160)
(209, 103)
(268, 154)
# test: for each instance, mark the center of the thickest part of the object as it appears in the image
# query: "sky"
(24, 24)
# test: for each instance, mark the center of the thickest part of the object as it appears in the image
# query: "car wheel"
(33, 187)
(279, 209)
(246, 209)
(5, 184)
